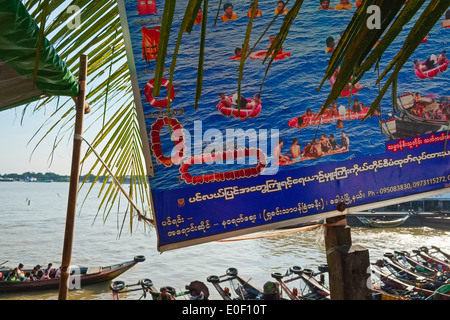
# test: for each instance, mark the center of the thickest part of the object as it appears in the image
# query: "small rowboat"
(88, 275)
(377, 223)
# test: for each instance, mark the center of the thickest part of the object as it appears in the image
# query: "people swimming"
(280, 9)
(271, 40)
(344, 5)
(199, 17)
(331, 44)
(258, 12)
(229, 14)
(325, 5)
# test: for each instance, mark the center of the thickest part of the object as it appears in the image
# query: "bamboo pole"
(74, 180)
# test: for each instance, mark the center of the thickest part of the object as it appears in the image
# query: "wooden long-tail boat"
(87, 276)
(241, 288)
(377, 223)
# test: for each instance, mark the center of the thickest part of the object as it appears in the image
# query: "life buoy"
(149, 94)
(241, 113)
(432, 72)
(155, 138)
(314, 120)
(223, 176)
(146, 7)
(346, 93)
(262, 54)
(235, 57)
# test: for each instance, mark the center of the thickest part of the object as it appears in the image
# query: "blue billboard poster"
(218, 170)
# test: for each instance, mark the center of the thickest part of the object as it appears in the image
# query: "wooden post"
(348, 264)
(74, 180)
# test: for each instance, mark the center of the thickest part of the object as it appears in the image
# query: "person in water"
(280, 9)
(343, 5)
(278, 156)
(356, 107)
(331, 44)
(229, 13)
(238, 53)
(256, 101)
(199, 17)
(295, 149)
(258, 12)
(325, 4)
(272, 39)
(339, 124)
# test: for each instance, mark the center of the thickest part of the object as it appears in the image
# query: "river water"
(32, 223)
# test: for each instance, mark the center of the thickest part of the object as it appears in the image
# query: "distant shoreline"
(45, 177)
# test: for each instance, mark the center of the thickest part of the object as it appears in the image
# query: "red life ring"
(233, 111)
(432, 72)
(155, 137)
(149, 95)
(262, 54)
(223, 176)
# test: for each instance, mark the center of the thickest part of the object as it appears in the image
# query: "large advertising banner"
(221, 171)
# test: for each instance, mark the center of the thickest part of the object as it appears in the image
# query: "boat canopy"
(19, 36)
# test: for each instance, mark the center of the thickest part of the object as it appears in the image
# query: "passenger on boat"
(27, 277)
(331, 44)
(300, 123)
(442, 58)
(256, 101)
(333, 143)
(229, 14)
(325, 143)
(224, 100)
(271, 291)
(356, 107)
(295, 149)
(345, 141)
(258, 12)
(45, 275)
(20, 273)
(317, 148)
(278, 156)
(234, 99)
(280, 9)
(12, 275)
(325, 4)
(333, 109)
(420, 68)
(307, 150)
